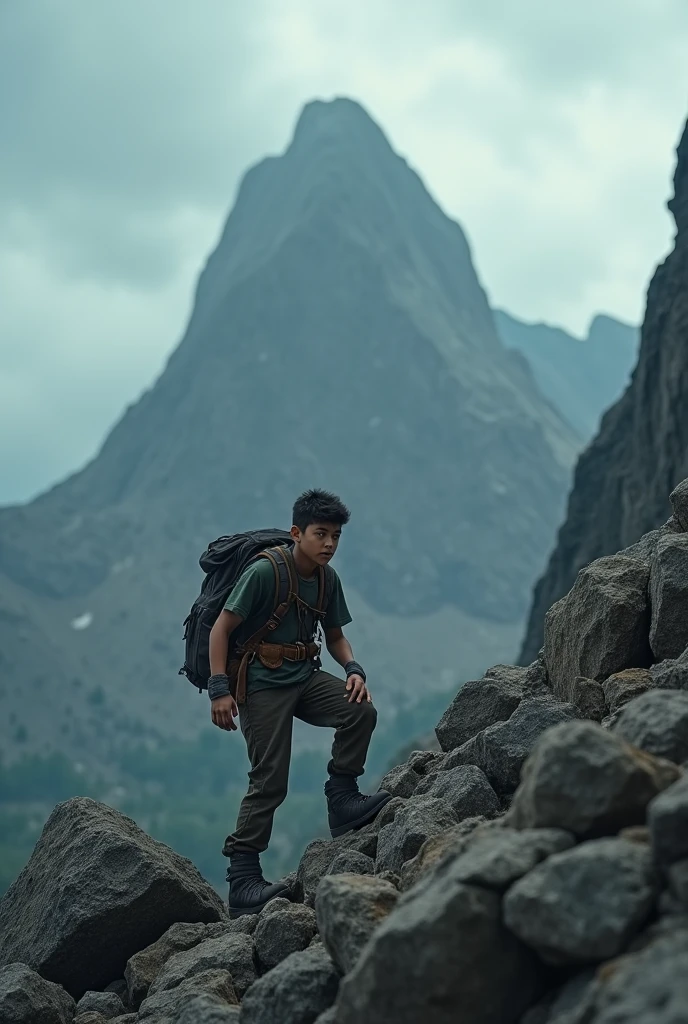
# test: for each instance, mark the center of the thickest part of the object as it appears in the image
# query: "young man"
(284, 682)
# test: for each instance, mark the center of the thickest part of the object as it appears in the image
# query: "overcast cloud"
(548, 130)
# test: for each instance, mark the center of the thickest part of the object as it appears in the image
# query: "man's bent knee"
(364, 714)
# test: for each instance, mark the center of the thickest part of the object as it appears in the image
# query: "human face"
(318, 542)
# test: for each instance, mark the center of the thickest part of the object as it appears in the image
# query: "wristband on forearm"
(352, 668)
(218, 686)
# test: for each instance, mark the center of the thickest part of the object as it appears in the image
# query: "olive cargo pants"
(266, 721)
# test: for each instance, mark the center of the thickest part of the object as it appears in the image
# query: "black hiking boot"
(248, 890)
(347, 809)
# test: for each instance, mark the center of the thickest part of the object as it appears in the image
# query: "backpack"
(224, 561)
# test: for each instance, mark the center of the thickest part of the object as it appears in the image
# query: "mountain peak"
(339, 120)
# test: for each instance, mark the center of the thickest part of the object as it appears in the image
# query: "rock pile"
(533, 870)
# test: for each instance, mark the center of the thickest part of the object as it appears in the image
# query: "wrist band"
(218, 686)
(352, 668)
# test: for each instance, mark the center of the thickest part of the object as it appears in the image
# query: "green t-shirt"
(254, 599)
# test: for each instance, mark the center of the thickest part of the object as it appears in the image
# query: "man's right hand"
(223, 711)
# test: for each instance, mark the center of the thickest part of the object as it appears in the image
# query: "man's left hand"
(358, 691)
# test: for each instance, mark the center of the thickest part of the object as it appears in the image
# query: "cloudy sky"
(547, 129)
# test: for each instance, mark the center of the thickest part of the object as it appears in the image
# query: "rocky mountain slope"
(339, 338)
(582, 378)
(534, 870)
(641, 452)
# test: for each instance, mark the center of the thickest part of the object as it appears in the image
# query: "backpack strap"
(285, 580)
(285, 594)
(321, 603)
(327, 582)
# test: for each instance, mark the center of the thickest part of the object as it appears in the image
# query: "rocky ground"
(533, 870)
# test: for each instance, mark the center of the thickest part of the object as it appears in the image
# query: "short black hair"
(317, 506)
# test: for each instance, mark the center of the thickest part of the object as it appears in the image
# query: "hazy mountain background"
(582, 377)
(339, 337)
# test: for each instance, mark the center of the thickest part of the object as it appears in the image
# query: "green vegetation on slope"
(187, 794)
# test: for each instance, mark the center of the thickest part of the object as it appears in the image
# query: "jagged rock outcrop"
(623, 479)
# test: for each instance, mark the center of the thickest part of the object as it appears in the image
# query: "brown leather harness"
(273, 655)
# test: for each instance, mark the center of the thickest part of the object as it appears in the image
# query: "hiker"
(281, 679)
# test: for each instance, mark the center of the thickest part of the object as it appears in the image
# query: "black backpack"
(224, 561)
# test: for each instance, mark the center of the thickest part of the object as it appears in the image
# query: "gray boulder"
(231, 952)
(587, 781)
(601, 626)
(315, 862)
(536, 681)
(584, 904)
(643, 550)
(588, 697)
(349, 909)
(120, 988)
(625, 686)
(164, 1006)
(328, 1017)
(121, 890)
(442, 955)
(91, 1017)
(425, 762)
(245, 925)
(647, 987)
(402, 839)
(657, 721)
(206, 1009)
(679, 505)
(283, 928)
(108, 1004)
(351, 862)
(26, 998)
(318, 855)
(390, 876)
(669, 596)
(667, 818)
(678, 883)
(295, 992)
(497, 858)
(671, 674)
(433, 851)
(501, 749)
(143, 967)
(387, 815)
(401, 781)
(480, 703)
(466, 790)
(573, 1003)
